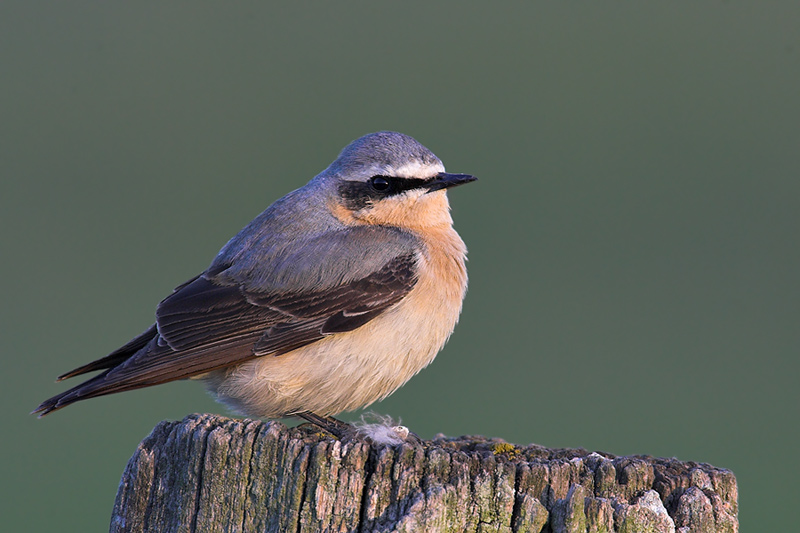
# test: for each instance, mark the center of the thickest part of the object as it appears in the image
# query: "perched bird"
(329, 300)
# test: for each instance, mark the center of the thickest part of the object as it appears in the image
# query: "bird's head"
(389, 178)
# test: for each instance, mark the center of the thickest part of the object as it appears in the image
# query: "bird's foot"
(339, 429)
(379, 433)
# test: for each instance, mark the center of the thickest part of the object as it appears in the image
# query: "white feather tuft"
(381, 429)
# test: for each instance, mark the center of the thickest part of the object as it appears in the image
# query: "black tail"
(87, 389)
(116, 357)
(97, 386)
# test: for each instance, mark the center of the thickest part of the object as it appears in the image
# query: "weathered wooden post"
(211, 473)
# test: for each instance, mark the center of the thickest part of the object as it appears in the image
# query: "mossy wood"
(210, 473)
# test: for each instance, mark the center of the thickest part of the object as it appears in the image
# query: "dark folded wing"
(204, 326)
(204, 313)
(345, 308)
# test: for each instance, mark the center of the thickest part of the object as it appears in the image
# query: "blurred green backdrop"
(633, 236)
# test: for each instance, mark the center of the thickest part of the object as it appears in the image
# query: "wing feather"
(211, 322)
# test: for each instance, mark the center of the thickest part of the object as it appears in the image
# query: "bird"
(329, 300)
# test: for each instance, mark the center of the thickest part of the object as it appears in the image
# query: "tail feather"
(88, 389)
(108, 382)
(98, 385)
(115, 358)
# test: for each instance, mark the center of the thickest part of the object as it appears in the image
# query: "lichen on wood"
(211, 473)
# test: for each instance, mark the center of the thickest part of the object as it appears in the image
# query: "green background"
(633, 237)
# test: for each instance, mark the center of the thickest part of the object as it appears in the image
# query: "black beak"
(443, 180)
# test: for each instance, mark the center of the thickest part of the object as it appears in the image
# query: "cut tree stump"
(211, 473)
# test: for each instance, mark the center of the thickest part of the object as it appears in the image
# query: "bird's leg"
(341, 430)
(344, 431)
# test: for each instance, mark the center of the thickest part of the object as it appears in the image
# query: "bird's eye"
(379, 183)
